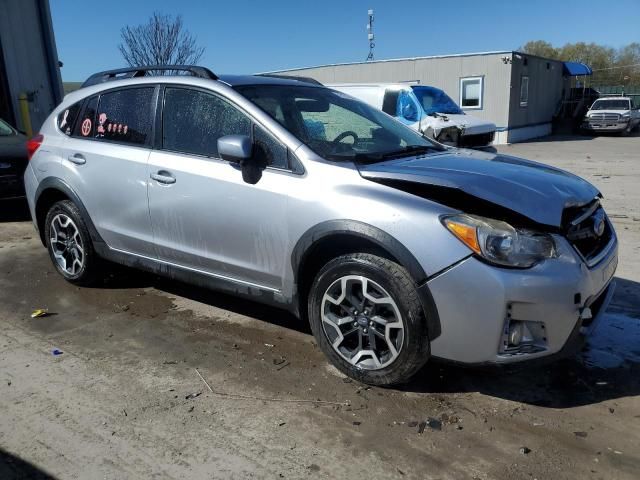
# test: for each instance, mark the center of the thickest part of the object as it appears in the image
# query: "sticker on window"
(102, 119)
(65, 115)
(86, 127)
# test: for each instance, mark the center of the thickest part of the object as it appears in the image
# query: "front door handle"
(163, 176)
(77, 158)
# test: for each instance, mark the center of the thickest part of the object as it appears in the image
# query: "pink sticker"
(85, 129)
(102, 118)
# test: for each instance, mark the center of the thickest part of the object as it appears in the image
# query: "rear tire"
(70, 246)
(385, 341)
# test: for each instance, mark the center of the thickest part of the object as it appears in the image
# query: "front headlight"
(625, 116)
(500, 243)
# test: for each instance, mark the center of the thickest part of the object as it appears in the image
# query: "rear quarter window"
(67, 118)
(125, 115)
(85, 125)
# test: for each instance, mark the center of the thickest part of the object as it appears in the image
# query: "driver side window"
(192, 121)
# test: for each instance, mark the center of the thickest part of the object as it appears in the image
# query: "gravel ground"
(124, 399)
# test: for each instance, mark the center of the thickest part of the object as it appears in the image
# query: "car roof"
(399, 86)
(238, 80)
(614, 98)
(229, 80)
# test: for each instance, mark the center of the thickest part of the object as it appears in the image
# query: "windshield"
(434, 100)
(5, 130)
(611, 105)
(337, 126)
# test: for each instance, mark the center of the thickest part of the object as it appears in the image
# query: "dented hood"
(537, 191)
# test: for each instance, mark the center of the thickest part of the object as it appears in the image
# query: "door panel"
(111, 180)
(204, 216)
(106, 158)
(211, 220)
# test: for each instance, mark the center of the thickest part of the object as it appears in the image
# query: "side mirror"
(235, 148)
(238, 149)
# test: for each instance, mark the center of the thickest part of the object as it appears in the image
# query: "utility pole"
(370, 36)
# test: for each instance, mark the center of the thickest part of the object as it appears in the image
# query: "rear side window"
(125, 115)
(192, 121)
(85, 125)
(67, 118)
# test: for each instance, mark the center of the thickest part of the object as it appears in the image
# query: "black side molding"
(54, 183)
(384, 241)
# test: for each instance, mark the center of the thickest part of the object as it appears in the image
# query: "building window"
(524, 91)
(471, 92)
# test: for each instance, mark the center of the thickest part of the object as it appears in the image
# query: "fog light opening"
(515, 333)
(521, 337)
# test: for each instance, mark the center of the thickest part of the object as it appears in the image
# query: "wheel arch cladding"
(52, 190)
(333, 238)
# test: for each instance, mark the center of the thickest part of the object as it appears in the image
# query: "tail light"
(33, 144)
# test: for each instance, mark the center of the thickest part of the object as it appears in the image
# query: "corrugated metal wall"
(502, 73)
(545, 90)
(28, 47)
(441, 72)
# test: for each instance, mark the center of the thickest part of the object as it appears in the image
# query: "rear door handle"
(77, 158)
(163, 176)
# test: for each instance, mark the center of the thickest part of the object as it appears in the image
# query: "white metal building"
(518, 92)
(28, 62)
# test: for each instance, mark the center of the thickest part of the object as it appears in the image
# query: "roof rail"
(291, 77)
(131, 72)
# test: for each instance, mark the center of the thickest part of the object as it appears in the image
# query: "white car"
(426, 109)
(612, 114)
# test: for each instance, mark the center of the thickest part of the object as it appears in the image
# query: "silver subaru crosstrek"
(395, 248)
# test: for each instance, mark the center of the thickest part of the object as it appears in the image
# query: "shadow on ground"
(14, 468)
(606, 368)
(123, 277)
(14, 210)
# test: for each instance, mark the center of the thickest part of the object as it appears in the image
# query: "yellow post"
(24, 113)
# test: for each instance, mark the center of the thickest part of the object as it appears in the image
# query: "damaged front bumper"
(498, 315)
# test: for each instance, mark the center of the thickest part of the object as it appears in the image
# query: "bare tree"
(160, 41)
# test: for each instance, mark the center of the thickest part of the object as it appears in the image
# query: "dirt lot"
(119, 403)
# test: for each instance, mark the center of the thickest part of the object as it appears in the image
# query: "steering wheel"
(346, 134)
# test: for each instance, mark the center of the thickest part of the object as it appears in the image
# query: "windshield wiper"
(380, 156)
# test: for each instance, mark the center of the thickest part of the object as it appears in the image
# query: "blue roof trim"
(576, 68)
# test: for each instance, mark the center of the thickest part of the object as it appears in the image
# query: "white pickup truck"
(612, 114)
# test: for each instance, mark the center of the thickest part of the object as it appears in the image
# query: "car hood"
(472, 125)
(536, 191)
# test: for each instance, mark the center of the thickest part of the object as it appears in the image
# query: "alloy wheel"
(66, 244)
(362, 322)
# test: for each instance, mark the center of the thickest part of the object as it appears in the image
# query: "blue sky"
(244, 36)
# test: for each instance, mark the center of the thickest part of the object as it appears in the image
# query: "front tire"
(70, 246)
(367, 318)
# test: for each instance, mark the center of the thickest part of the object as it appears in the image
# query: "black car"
(13, 161)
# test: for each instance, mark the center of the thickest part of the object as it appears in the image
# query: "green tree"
(610, 66)
(540, 48)
(596, 56)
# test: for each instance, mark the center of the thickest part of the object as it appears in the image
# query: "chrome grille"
(605, 117)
